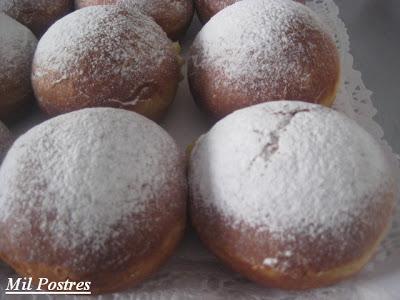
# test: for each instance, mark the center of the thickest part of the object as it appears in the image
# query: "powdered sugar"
(99, 43)
(270, 262)
(84, 178)
(158, 7)
(290, 167)
(172, 15)
(17, 45)
(152, 8)
(259, 43)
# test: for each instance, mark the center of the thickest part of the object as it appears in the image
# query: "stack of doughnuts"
(283, 189)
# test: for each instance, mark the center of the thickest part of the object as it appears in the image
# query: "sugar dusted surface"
(156, 7)
(88, 175)
(151, 7)
(253, 167)
(17, 45)
(249, 42)
(108, 42)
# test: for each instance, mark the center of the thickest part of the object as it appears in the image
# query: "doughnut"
(105, 56)
(5, 140)
(17, 45)
(37, 15)
(208, 8)
(292, 195)
(262, 50)
(174, 16)
(97, 195)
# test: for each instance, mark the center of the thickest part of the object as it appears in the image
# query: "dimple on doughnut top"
(17, 45)
(174, 16)
(105, 56)
(208, 8)
(37, 15)
(291, 194)
(262, 50)
(97, 195)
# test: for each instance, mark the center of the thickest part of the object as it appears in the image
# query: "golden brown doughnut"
(17, 45)
(262, 50)
(208, 8)
(174, 16)
(37, 15)
(292, 195)
(94, 195)
(105, 56)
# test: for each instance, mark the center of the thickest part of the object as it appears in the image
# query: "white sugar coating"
(101, 29)
(17, 45)
(157, 7)
(172, 15)
(152, 8)
(259, 42)
(86, 177)
(289, 167)
(271, 262)
(101, 42)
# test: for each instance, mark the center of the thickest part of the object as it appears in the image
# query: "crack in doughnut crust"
(272, 146)
(262, 50)
(174, 16)
(94, 195)
(291, 194)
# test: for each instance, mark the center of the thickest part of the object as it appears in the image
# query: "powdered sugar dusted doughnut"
(37, 15)
(105, 56)
(17, 45)
(262, 50)
(293, 195)
(5, 140)
(95, 195)
(174, 16)
(208, 8)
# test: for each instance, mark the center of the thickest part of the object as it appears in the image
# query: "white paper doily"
(193, 273)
